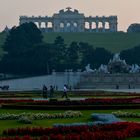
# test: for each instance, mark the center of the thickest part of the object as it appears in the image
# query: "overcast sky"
(128, 11)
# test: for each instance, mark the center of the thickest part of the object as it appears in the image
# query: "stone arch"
(61, 25)
(68, 24)
(100, 25)
(87, 25)
(93, 25)
(50, 24)
(107, 25)
(75, 24)
(43, 25)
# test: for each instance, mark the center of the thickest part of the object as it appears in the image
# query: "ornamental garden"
(86, 115)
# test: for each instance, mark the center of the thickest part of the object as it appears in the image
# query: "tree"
(72, 56)
(132, 56)
(134, 28)
(101, 56)
(58, 54)
(19, 46)
(86, 54)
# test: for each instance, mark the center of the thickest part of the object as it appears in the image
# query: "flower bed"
(126, 114)
(115, 131)
(91, 103)
(40, 116)
(88, 101)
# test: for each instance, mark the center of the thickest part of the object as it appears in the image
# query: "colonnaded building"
(72, 21)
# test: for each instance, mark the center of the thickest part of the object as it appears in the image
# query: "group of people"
(50, 93)
(47, 93)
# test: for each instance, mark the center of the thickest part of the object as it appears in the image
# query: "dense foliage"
(132, 56)
(27, 53)
(134, 28)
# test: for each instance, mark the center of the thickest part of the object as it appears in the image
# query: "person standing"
(65, 92)
(45, 91)
(51, 91)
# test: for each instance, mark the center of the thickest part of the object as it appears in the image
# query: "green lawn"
(114, 42)
(49, 122)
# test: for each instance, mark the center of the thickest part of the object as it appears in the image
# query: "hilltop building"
(72, 21)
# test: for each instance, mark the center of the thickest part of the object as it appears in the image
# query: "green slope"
(114, 42)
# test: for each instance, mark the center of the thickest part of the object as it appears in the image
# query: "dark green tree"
(134, 28)
(132, 56)
(19, 46)
(58, 54)
(72, 56)
(86, 54)
(101, 56)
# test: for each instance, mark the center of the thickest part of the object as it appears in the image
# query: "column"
(97, 29)
(90, 26)
(103, 23)
(46, 26)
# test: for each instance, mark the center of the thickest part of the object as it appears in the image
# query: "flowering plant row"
(115, 131)
(89, 101)
(15, 100)
(39, 116)
(126, 114)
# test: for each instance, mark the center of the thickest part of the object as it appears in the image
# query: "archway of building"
(93, 25)
(100, 25)
(87, 26)
(107, 25)
(75, 24)
(68, 26)
(43, 25)
(61, 25)
(50, 25)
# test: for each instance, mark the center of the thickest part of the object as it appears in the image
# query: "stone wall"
(109, 81)
(75, 80)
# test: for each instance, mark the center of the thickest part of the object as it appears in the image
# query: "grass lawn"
(5, 124)
(115, 42)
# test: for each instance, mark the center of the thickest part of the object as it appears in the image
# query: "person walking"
(65, 92)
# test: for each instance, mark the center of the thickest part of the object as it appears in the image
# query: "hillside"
(114, 42)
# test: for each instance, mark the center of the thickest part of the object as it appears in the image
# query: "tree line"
(27, 53)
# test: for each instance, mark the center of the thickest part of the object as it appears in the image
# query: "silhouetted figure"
(51, 91)
(129, 86)
(45, 91)
(117, 86)
(65, 91)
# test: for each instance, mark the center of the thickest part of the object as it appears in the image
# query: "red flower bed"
(90, 101)
(16, 101)
(116, 131)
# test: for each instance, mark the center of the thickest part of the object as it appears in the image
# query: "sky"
(128, 11)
